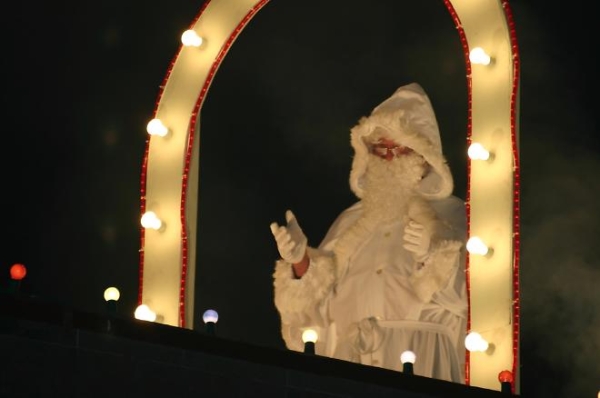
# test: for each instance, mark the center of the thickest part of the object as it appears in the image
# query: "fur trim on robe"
(408, 118)
(300, 301)
(433, 274)
(295, 296)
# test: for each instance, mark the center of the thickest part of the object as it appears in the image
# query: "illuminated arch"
(170, 175)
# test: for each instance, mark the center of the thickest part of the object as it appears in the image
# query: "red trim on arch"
(516, 188)
(465, 47)
(191, 137)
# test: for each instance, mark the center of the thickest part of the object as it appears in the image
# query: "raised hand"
(291, 241)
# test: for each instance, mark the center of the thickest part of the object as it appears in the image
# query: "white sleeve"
(302, 302)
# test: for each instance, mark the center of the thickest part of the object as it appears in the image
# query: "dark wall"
(49, 351)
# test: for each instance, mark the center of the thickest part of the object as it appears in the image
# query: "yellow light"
(144, 313)
(475, 343)
(112, 293)
(479, 56)
(408, 357)
(189, 38)
(310, 336)
(476, 151)
(156, 127)
(476, 246)
(151, 221)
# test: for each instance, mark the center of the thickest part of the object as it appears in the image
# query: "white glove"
(291, 241)
(417, 240)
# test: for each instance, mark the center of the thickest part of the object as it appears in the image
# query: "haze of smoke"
(559, 265)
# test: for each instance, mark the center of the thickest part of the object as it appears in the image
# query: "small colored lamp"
(309, 338)
(408, 359)
(111, 296)
(505, 378)
(18, 272)
(210, 318)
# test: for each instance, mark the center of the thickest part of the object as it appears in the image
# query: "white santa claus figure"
(389, 275)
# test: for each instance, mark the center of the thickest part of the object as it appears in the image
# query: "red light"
(18, 272)
(505, 376)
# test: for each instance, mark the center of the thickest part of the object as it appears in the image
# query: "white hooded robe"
(365, 295)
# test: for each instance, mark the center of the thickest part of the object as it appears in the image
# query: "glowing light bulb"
(112, 294)
(210, 316)
(476, 246)
(505, 376)
(408, 357)
(18, 272)
(475, 343)
(156, 127)
(151, 221)
(476, 151)
(189, 38)
(479, 56)
(144, 313)
(310, 336)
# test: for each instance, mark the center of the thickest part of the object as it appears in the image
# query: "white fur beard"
(389, 185)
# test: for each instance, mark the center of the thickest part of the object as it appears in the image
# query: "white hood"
(408, 118)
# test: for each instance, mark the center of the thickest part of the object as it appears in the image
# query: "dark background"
(81, 82)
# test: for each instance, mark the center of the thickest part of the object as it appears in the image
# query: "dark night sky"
(80, 84)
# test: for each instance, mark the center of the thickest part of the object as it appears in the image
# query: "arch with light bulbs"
(169, 183)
